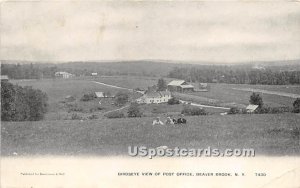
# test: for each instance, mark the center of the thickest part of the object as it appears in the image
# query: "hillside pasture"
(268, 134)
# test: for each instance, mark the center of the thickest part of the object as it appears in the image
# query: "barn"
(154, 97)
(180, 86)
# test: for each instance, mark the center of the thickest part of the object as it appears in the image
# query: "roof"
(176, 83)
(186, 86)
(62, 73)
(4, 77)
(99, 94)
(156, 94)
(251, 107)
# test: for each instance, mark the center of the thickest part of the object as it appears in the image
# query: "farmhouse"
(63, 74)
(180, 86)
(4, 78)
(154, 97)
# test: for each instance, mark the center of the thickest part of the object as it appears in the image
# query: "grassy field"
(224, 94)
(218, 95)
(58, 89)
(267, 134)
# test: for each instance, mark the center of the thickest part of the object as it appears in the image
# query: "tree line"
(28, 71)
(22, 103)
(236, 76)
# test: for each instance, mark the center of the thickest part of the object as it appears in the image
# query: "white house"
(94, 73)
(63, 74)
(154, 97)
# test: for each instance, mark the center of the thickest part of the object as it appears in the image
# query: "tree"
(161, 85)
(121, 98)
(7, 101)
(256, 99)
(22, 103)
(173, 100)
(296, 105)
(134, 110)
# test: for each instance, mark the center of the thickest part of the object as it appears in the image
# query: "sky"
(179, 31)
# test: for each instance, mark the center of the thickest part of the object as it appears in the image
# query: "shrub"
(88, 97)
(233, 110)
(75, 117)
(115, 114)
(173, 101)
(193, 111)
(74, 108)
(134, 110)
(92, 116)
(121, 98)
(272, 110)
(263, 110)
(96, 108)
(296, 106)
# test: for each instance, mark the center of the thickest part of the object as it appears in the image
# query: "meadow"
(268, 134)
(225, 95)
(58, 89)
(218, 94)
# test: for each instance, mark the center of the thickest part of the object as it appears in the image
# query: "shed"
(251, 108)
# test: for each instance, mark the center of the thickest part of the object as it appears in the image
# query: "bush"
(96, 108)
(296, 106)
(22, 103)
(75, 117)
(193, 111)
(233, 110)
(134, 110)
(115, 114)
(121, 98)
(88, 97)
(92, 116)
(74, 108)
(263, 110)
(173, 101)
(272, 110)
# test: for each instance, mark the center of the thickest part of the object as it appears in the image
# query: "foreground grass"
(267, 134)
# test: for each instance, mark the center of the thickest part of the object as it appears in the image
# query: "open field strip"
(113, 86)
(116, 109)
(292, 95)
(268, 134)
(201, 105)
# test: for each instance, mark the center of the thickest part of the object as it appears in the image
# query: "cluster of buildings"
(163, 96)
